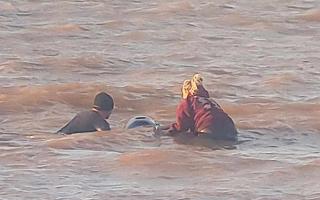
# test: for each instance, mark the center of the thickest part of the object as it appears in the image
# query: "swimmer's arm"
(162, 130)
(66, 129)
(184, 120)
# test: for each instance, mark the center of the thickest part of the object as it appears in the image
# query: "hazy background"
(260, 62)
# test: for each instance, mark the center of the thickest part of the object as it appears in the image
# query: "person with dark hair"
(200, 115)
(92, 120)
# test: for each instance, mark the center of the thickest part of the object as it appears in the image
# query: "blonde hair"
(190, 87)
(186, 88)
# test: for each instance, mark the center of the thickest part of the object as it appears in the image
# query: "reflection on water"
(259, 61)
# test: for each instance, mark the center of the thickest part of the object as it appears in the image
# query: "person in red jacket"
(200, 115)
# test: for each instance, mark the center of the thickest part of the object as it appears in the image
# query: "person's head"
(103, 103)
(196, 81)
(191, 87)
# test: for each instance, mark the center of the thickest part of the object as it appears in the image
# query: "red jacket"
(197, 113)
(202, 92)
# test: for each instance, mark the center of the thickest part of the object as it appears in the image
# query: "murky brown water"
(260, 60)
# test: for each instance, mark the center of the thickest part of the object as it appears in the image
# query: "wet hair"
(103, 101)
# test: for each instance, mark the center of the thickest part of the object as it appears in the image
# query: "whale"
(140, 121)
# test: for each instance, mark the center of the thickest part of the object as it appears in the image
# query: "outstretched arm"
(162, 130)
(184, 121)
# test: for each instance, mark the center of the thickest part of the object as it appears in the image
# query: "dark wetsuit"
(203, 117)
(87, 121)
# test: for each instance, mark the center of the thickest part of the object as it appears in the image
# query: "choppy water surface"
(260, 61)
